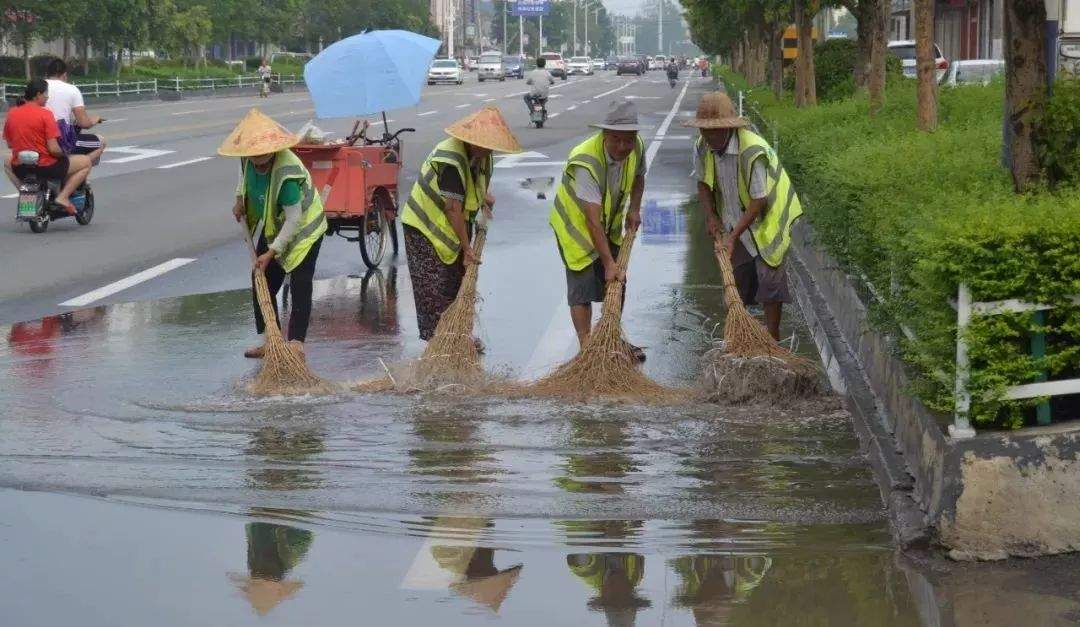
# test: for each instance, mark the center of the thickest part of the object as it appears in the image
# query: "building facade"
(963, 29)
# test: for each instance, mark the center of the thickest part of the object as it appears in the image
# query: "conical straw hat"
(486, 128)
(715, 110)
(257, 134)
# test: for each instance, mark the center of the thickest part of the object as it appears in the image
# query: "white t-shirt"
(63, 98)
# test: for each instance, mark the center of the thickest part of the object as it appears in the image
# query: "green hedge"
(919, 213)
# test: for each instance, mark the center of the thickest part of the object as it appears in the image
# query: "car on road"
(597, 65)
(514, 66)
(973, 72)
(611, 63)
(491, 67)
(905, 51)
(445, 71)
(580, 65)
(658, 62)
(628, 65)
(555, 64)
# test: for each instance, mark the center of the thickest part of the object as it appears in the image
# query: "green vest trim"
(425, 210)
(567, 217)
(771, 231)
(287, 166)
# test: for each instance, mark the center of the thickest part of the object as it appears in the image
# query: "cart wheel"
(374, 232)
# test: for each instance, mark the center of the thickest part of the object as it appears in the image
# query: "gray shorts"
(757, 281)
(586, 286)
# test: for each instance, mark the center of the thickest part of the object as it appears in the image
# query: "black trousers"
(301, 279)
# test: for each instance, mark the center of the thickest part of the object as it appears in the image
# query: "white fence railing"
(965, 310)
(98, 89)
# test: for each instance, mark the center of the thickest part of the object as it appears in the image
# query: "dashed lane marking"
(126, 283)
(189, 112)
(420, 115)
(183, 163)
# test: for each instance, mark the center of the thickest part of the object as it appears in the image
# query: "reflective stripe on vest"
(771, 230)
(425, 210)
(567, 217)
(312, 225)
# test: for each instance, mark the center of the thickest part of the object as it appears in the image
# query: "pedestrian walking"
(599, 196)
(277, 200)
(439, 214)
(748, 200)
(266, 73)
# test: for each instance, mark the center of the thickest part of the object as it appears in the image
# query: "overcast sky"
(625, 7)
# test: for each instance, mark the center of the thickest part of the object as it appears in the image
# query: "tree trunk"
(86, 57)
(67, 48)
(1025, 86)
(926, 65)
(776, 59)
(805, 89)
(863, 41)
(26, 57)
(878, 50)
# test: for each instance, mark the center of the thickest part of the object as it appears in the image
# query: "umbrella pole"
(385, 124)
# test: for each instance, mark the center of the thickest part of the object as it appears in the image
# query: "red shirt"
(29, 127)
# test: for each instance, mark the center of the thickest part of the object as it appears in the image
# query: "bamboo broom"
(751, 365)
(606, 367)
(284, 370)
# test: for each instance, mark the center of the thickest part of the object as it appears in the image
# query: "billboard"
(530, 8)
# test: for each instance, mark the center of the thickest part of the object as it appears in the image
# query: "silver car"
(445, 71)
(491, 67)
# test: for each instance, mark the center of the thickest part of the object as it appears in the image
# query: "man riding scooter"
(672, 72)
(540, 81)
(66, 103)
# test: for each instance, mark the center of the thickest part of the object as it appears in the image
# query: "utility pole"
(505, 6)
(540, 44)
(521, 37)
(575, 28)
(660, 28)
(450, 34)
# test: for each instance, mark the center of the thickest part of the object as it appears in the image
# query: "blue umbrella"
(369, 73)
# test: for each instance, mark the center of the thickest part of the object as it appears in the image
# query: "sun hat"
(257, 134)
(621, 116)
(715, 110)
(486, 128)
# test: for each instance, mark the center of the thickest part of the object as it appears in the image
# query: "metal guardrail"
(98, 89)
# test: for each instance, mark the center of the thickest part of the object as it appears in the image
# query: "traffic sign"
(531, 8)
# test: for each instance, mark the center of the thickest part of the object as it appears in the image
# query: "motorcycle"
(672, 78)
(538, 111)
(36, 205)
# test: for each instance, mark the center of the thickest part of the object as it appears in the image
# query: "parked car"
(555, 64)
(514, 67)
(628, 65)
(598, 65)
(491, 67)
(445, 71)
(580, 65)
(905, 51)
(973, 72)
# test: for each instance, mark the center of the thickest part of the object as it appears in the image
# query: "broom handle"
(262, 291)
(731, 292)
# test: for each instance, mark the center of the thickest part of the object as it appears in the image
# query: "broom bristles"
(284, 371)
(606, 366)
(752, 363)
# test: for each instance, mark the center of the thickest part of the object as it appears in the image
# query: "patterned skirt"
(435, 285)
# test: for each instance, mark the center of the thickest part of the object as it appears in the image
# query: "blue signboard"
(531, 8)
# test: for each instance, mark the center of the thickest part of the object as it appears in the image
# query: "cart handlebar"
(388, 138)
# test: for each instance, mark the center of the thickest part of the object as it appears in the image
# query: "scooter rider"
(541, 81)
(66, 103)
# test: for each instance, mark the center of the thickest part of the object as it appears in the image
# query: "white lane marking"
(136, 154)
(462, 106)
(611, 91)
(533, 163)
(420, 115)
(510, 161)
(15, 195)
(114, 120)
(189, 112)
(489, 100)
(123, 284)
(515, 94)
(558, 340)
(571, 107)
(480, 95)
(553, 115)
(183, 163)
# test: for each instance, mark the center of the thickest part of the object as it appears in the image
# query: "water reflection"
(712, 585)
(604, 466)
(614, 577)
(474, 574)
(34, 343)
(284, 455)
(273, 551)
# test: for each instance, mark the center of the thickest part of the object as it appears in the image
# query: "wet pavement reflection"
(426, 510)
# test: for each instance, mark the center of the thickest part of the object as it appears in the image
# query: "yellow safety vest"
(567, 216)
(426, 208)
(772, 229)
(287, 166)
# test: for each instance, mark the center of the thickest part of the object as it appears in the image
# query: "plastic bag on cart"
(311, 134)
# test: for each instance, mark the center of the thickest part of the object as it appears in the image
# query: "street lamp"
(599, 5)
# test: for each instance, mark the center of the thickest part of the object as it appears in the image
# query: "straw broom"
(284, 370)
(751, 365)
(606, 367)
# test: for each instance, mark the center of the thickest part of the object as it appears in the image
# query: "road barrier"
(154, 86)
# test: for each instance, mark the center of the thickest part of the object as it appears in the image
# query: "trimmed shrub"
(834, 67)
(919, 213)
(1058, 134)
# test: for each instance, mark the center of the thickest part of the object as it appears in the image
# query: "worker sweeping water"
(276, 199)
(600, 194)
(441, 211)
(748, 200)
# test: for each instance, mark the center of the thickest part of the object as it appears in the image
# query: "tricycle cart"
(359, 187)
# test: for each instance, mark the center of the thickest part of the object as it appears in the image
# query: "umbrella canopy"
(370, 72)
